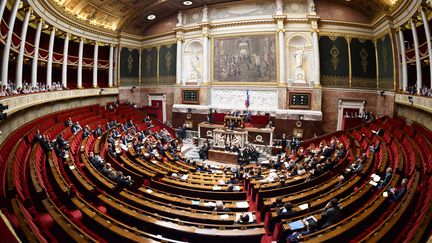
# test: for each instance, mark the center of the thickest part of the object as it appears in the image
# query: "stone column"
(80, 63)
(116, 65)
(50, 57)
(205, 77)
(36, 53)
(417, 56)
(19, 67)
(6, 50)
(111, 66)
(281, 35)
(179, 61)
(95, 65)
(2, 8)
(65, 60)
(316, 57)
(206, 49)
(403, 57)
(428, 40)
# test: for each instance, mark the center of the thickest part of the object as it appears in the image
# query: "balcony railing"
(420, 102)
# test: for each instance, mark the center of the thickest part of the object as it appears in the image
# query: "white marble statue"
(299, 72)
(205, 14)
(311, 6)
(299, 58)
(180, 18)
(279, 6)
(196, 63)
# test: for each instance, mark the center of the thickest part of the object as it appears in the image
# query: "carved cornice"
(345, 23)
(62, 18)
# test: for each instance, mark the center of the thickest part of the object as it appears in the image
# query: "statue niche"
(193, 57)
(299, 60)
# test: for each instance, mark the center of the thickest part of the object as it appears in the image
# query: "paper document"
(224, 216)
(304, 206)
(244, 204)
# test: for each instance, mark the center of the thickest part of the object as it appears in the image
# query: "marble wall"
(139, 95)
(414, 114)
(374, 102)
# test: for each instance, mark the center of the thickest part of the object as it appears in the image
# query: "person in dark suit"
(231, 125)
(86, 132)
(210, 118)
(330, 214)
(398, 193)
(386, 179)
(286, 211)
(312, 227)
(37, 137)
(284, 143)
(68, 122)
(220, 207)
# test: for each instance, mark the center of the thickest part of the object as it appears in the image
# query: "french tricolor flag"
(247, 101)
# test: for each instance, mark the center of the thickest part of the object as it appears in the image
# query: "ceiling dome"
(130, 16)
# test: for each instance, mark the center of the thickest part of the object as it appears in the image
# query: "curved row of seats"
(50, 198)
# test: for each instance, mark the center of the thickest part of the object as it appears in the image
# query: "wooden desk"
(223, 156)
(255, 135)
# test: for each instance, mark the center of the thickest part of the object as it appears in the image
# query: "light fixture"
(187, 3)
(151, 17)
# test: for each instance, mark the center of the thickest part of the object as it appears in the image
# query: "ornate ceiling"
(130, 16)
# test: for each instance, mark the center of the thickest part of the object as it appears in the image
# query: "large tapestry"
(149, 65)
(129, 66)
(334, 61)
(167, 64)
(385, 63)
(363, 63)
(245, 59)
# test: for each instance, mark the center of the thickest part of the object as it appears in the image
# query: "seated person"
(86, 132)
(98, 131)
(375, 149)
(45, 143)
(97, 161)
(37, 137)
(286, 211)
(387, 178)
(123, 181)
(108, 171)
(76, 127)
(231, 125)
(310, 228)
(229, 188)
(111, 151)
(220, 207)
(277, 203)
(397, 193)
(269, 125)
(60, 152)
(68, 122)
(61, 142)
(330, 214)
(301, 170)
(232, 180)
(358, 166)
(341, 180)
(245, 219)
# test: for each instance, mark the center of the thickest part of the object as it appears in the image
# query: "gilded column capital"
(279, 17)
